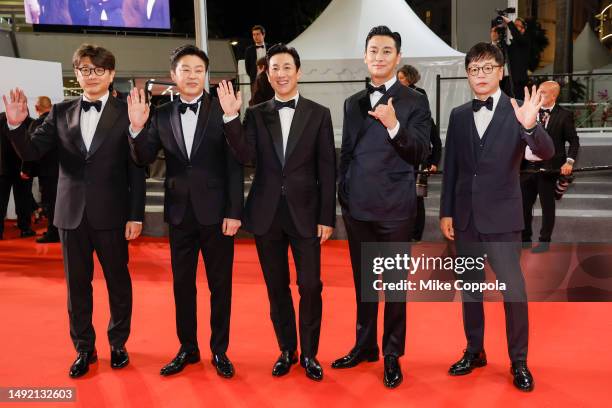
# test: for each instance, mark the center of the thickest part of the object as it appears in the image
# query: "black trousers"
(48, 194)
(272, 248)
(503, 254)
(394, 336)
(186, 240)
(111, 247)
(22, 191)
(419, 222)
(532, 186)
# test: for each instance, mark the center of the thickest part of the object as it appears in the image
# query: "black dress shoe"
(284, 362)
(80, 367)
(119, 357)
(468, 362)
(223, 365)
(47, 239)
(313, 368)
(355, 357)
(393, 372)
(180, 361)
(523, 380)
(541, 247)
(27, 233)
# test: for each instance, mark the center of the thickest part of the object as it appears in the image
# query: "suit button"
(475, 174)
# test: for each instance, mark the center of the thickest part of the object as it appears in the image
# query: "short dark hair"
(187, 49)
(281, 48)
(99, 56)
(262, 62)
(411, 73)
(260, 28)
(483, 51)
(385, 31)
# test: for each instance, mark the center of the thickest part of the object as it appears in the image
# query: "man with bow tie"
(292, 202)
(100, 197)
(202, 201)
(480, 207)
(254, 52)
(384, 138)
(559, 124)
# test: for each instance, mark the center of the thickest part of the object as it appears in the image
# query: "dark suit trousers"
(78, 246)
(272, 248)
(419, 222)
(394, 336)
(532, 185)
(48, 193)
(22, 191)
(503, 255)
(186, 240)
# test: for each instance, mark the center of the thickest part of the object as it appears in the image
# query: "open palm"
(527, 113)
(230, 101)
(16, 107)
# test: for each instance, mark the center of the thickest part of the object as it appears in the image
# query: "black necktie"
(86, 105)
(477, 104)
(193, 106)
(371, 88)
(278, 105)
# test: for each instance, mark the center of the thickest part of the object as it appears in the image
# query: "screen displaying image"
(153, 14)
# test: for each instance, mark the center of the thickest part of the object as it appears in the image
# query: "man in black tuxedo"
(203, 200)
(100, 197)
(14, 174)
(106, 13)
(559, 123)
(292, 201)
(254, 52)
(480, 206)
(385, 136)
(156, 14)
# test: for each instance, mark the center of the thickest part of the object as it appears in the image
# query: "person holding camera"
(516, 53)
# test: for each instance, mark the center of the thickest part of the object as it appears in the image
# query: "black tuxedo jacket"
(483, 182)
(211, 181)
(377, 173)
(305, 174)
(160, 15)
(10, 163)
(562, 130)
(103, 183)
(250, 61)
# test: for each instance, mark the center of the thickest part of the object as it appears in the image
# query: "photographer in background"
(516, 52)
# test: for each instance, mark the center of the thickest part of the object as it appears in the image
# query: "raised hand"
(527, 114)
(16, 107)
(386, 114)
(138, 109)
(230, 101)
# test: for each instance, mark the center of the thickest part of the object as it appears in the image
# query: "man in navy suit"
(385, 136)
(481, 205)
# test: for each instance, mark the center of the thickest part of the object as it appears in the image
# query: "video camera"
(497, 21)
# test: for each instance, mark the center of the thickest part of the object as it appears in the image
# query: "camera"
(502, 13)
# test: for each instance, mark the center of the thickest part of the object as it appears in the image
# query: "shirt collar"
(296, 97)
(192, 101)
(390, 83)
(549, 108)
(103, 99)
(496, 95)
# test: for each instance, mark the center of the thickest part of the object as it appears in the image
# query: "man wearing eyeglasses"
(481, 205)
(100, 197)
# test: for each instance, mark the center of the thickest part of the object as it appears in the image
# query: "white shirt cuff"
(11, 127)
(136, 222)
(227, 119)
(132, 133)
(393, 132)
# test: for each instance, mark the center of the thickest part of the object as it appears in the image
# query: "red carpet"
(569, 345)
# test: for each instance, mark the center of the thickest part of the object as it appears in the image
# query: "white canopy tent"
(332, 49)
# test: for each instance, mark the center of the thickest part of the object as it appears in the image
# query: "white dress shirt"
(260, 52)
(375, 97)
(90, 119)
(286, 117)
(150, 4)
(189, 122)
(483, 117)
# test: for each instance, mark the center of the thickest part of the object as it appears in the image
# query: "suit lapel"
(272, 122)
(105, 125)
(369, 120)
(300, 118)
(177, 129)
(553, 120)
(73, 118)
(203, 116)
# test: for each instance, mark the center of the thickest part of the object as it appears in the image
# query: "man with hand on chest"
(292, 200)
(100, 197)
(203, 200)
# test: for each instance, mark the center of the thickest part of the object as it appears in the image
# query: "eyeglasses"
(86, 71)
(487, 69)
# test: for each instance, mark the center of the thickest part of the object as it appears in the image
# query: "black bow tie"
(86, 105)
(371, 88)
(477, 104)
(278, 105)
(543, 111)
(193, 106)
(260, 46)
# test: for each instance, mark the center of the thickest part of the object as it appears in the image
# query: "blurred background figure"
(32, 11)
(262, 90)
(254, 52)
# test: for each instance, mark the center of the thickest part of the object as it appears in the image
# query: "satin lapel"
(73, 118)
(203, 116)
(272, 122)
(300, 119)
(495, 127)
(105, 125)
(553, 120)
(177, 129)
(369, 121)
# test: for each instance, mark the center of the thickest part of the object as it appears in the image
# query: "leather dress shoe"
(80, 367)
(119, 357)
(393, 372)
(355, 357)
(541, 247)
(312, 367)
(284, 362)
(47, 238)
(523, 380)
(27, 233)
(223, 365)
(180, 361)
(468, 362)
